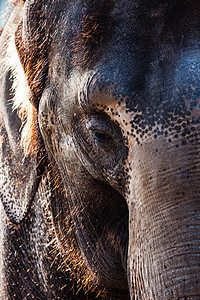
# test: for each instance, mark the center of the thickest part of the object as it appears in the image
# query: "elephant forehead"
(174, 115)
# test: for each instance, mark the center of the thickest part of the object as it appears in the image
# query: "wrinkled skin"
(109, 202)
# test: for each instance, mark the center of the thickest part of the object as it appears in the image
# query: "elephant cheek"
(164, 226)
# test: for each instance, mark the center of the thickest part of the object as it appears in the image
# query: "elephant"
(100, 150)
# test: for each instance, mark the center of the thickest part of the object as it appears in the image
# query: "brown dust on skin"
(34, 59)
(92, 33)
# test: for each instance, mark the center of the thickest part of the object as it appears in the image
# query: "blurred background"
(3, 11)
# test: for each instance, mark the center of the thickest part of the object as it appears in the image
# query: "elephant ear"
(19, 159)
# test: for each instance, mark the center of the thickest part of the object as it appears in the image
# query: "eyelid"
(103, 126)
(99, 125)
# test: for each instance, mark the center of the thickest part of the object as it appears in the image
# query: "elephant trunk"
(164, 222)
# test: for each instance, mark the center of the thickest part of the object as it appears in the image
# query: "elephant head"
(114, 88)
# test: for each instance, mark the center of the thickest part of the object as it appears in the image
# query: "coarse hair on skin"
(21, 98)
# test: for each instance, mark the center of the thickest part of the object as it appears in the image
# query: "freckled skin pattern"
(100, 196)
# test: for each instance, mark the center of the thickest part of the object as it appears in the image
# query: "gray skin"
(108, 202)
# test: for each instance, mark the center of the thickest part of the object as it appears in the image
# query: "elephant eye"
(103, 133)
(102, 137)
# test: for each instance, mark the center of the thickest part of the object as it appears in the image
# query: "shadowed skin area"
(113, 207)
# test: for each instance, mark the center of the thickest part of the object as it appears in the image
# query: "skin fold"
(100, 162)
